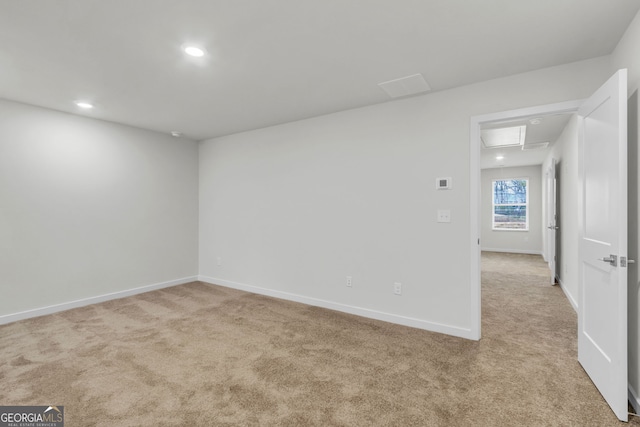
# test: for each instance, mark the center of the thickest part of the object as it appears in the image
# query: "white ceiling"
(275, 61)
(548, 130)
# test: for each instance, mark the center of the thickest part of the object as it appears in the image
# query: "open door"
(602, 314)
(552, 223)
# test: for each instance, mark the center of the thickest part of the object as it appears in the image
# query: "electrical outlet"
(219, 261)
(444, 215)
(349, 281)
(397, 288)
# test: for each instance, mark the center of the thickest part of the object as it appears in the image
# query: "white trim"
(521, 113)
(42, 311)
(634, 399)
(570, 297)
(513, 251)
(358, 311)
(474, 192)
(475, 288)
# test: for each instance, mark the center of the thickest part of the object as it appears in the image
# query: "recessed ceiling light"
(193, 51)
(499, 157)
(535, 121)
(176, 134)
(83, 104)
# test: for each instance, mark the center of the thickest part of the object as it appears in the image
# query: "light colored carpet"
(201, 355)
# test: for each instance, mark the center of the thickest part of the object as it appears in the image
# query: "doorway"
(491, 121)
(601, 224)
(554, 219)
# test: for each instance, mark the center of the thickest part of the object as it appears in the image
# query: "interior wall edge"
(344, 308)
(57, 308)
(634, 399)
(570, 297)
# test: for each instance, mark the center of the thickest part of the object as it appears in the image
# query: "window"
(511, 204)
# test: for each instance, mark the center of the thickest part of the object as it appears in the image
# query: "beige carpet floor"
(202, 355)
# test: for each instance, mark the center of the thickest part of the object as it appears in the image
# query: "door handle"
(611, 259)
(624, 261)
(553, 227)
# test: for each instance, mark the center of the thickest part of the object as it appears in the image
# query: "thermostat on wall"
(443, 183)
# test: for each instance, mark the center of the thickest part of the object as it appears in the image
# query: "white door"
(552, 225)
(602, 314)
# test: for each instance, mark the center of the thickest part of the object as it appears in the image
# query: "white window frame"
(493, 205)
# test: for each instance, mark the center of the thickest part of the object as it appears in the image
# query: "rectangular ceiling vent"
(503, 137)
(405, 86)
(535, 146)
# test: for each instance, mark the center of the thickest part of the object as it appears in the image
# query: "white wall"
(626, 56)
(565, 153)
(293, 209)
(89, 208)
(529, 242)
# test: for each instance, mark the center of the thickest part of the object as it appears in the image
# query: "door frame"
(475, 310)
(550, 227)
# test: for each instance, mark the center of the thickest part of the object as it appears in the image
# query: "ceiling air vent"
(535, 146)
(405, 86)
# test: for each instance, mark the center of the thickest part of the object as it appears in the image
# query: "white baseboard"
(572, 300)
(358, 311)
(512, 251)
(8, 318)
(634, 399)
